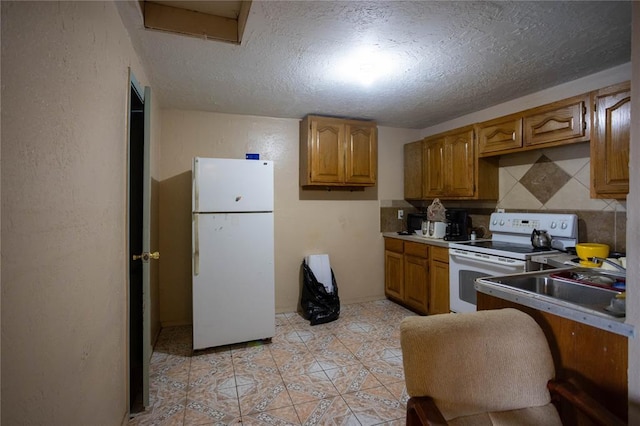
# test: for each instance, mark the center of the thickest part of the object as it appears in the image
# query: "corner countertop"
(424, 240)
(555, 306)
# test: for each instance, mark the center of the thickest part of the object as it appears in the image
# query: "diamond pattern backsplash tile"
(544, 179)
(537, 180)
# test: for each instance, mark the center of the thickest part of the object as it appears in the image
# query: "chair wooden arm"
(583, 402)
(422, 410)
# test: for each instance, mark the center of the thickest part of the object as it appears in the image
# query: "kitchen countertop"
(564, 260)
(559, 308)
(555, 260)
(556, 307)
(424, 240)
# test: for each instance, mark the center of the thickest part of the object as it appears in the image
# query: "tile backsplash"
(608, 227)
(548, 180)
(389, 221)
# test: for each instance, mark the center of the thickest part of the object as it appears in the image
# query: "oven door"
(466, 266)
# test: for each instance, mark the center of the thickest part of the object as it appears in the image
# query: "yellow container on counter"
(587, 251)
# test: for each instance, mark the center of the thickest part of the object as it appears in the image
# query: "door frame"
(145, 96)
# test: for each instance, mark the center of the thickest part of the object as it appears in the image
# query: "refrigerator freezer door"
(234, 289)
(230, 185)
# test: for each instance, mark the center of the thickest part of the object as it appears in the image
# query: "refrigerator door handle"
(196, 246)
(196, 185)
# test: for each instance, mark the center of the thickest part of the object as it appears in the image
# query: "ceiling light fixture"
(365, 66)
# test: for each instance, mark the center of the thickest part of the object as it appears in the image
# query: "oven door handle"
(486, 258)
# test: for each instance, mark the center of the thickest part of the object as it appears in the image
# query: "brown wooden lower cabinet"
(417, 275)
(439, 277)
(595, 359)
(416, 283)
(394, 274)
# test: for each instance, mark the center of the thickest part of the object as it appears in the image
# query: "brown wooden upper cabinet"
(565, 121)
(499, 135)
(558, 123)
(434, 167)
(610, 135)
(338, 152)
(459, 164)
(413, 170)
(449, 168)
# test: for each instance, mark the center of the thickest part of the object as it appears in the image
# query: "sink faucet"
(608, 262)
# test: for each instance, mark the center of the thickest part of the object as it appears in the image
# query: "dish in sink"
(589, 277)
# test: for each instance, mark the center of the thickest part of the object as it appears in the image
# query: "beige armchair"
(483, 368)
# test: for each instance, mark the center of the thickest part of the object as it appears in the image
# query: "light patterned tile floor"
(347, 372)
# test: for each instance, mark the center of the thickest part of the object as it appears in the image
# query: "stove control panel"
(557, 225)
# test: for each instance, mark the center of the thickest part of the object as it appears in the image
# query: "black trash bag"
(318, 305)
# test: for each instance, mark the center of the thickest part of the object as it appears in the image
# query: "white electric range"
(509, 251)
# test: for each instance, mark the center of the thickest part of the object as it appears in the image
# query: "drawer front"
(416, 249)
(394, 244)
(440, 254)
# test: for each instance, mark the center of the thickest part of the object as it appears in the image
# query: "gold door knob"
(146, 256)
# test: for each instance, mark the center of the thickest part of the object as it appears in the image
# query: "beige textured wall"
(391, 162)
(633, 226)
(347, 229)
(64, 156)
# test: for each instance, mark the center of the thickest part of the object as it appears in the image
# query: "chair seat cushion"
(532, 416)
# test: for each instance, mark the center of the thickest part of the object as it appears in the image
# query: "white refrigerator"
(233, 251)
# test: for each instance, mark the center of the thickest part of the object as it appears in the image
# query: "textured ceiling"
(454, 57)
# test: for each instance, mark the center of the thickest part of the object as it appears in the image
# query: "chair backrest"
(477, 362)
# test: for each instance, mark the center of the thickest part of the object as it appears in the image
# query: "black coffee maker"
(458, 225)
